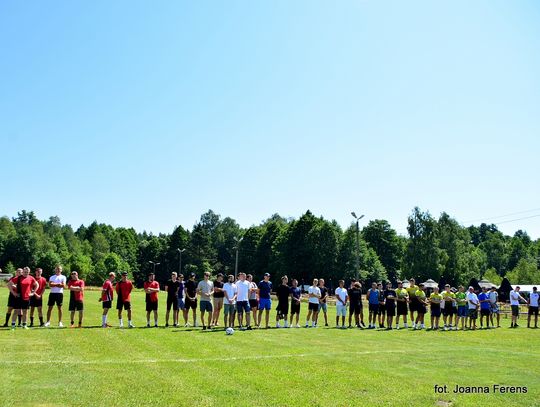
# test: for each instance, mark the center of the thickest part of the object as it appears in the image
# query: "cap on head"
(124, 273)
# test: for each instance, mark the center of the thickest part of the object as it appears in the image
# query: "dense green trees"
(302, 248)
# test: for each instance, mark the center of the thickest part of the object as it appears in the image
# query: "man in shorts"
(106, 299)
(218, 299)
(381, 312)
(314, 293)
(265, 301)
(296, 298)
(462, 307)
(447, 307)
(190, 292)
(322, 302)
(230, 292)
(123, 299)
(283, 292)
(435, 299)
(76, 298)
(413, 302)
(421, 310)
(151, 288)
(390, 304)
(493, 303)
(473, 304)
(515, 298)
(23, 288)
(171, 287)
(12, 300)
(57, 283)
(485, 307)
(355, 303)
(533, 308)
(205, 289)
(181, 299)
(242, 303)
(373, 300)
(36, 301)
(402, 299)
(342, 296)
(253, 297)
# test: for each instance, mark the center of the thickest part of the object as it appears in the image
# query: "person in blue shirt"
(485, 307)
(373, 299)
(265, 302)
(296, 297)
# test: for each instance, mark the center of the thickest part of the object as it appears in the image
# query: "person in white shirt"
(493, 298)
(533, 308)
(57, 283)
(515, 298)
(242, 300)
(314, 293)
(229, 301)
(472, 301)
(341, 303)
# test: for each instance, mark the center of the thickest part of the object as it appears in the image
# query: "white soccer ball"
(229, 331)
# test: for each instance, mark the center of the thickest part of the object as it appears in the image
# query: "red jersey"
(24, 286)
(42, 281)
(78, 295)
(108, 294)
(123, 289)
(152, 297)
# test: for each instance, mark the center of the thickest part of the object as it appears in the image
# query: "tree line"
(304, 248)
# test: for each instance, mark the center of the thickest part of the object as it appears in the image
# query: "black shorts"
(151, 306)
(282, 309)
(473, 313)
(413, 305)
(448, 310)
(191, 304)
(515, 310)
(421, 308)
(55, 298)
(295, 308)
(22, 304)
(533, 311)
(172, 302)
(390, 310)
(75, 305)
(374, 308)
(401, 308)
(254, 304)
(123, 305)
(382, 309)
(485, 312)
(36, 302)
(355, 308)
(12, 301)
(107, 304)
(313, 307)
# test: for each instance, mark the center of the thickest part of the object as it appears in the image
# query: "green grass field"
(277, 367)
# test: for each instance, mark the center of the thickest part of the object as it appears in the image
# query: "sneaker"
(155, 325)
(148, 325)
(121, 326)
(60, 325)
(362, 324)
(278, 325)
(297, 326)
(186, 325)
(325, 324)
(104, 325)
(12, 327)
(167, 325)
(47, 324)
(249, 328)
(397, 327)
(131, 326)
(307, 325)
(204, 327)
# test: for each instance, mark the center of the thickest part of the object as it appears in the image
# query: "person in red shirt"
(151, 288)
(76, 297)
(22, 287)
(123, 292)
(36, 301)
(107, 294)
(11, 299)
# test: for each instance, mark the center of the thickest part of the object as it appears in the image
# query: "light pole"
(180, 251)
(154, 264)
(357, 244)
(237, 240)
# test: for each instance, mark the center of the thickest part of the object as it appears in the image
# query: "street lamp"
(180, 251)
(237, 240)
(357, 244)
(154, 264)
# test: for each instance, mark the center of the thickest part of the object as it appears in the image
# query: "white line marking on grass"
(193, 360)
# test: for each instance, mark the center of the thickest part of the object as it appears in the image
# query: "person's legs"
(49, 312)
(80, 318)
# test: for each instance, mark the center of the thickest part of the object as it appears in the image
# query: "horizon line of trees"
(304, 248)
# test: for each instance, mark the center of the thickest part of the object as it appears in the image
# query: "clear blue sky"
(146, 114)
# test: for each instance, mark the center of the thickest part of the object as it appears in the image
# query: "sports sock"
(41, 320)
(8, 314)
(104, 319)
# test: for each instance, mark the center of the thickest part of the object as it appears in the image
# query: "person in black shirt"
(283, 292)
(219, 295)
(390, 304)
(382, 309)
(322, 301)
(191, 297)
(355, 301)
(172, 287)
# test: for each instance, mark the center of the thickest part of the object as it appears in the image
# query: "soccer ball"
(229, 331)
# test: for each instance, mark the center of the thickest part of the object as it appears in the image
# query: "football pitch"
(321, 366)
